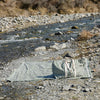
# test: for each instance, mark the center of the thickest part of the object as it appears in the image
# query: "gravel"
(56, 89)
(15, 23)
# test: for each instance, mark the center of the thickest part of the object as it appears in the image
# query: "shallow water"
(22, 42)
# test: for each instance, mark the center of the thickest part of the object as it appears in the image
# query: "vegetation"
(48, 6)
(63, 6)
(85, 35)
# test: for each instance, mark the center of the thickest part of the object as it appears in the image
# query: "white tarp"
(70, 68)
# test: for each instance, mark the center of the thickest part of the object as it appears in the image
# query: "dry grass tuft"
(85, 35)
(42, 10)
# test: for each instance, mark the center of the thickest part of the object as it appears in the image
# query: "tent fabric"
(28, 71)
(68, 68)
(72, 68)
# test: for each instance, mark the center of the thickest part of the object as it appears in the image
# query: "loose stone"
(58, 46)
(39, 87)
(66, 88)
(41, 48)
(59, 33)
(74, 27)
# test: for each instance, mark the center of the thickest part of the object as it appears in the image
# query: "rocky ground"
(58, 43)
(15, 23)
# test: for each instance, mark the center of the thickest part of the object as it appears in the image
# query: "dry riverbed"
(60, 42)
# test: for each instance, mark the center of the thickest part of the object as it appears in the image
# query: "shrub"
(85, 35)
(49, 6)
(42, 10)
(57, 6)
(79, 3)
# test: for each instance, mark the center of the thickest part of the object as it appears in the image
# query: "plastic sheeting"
(68, 68)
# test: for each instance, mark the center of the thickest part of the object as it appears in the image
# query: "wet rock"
(47, 39)
(74, 27)
(68, 32)
(41, 48)
(59, 33)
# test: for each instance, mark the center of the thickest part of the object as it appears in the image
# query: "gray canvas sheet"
(69, 68)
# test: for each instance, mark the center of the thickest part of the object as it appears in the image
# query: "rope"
(70, 68)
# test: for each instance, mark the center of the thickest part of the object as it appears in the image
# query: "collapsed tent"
(67, 68)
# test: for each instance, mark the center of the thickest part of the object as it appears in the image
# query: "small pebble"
(66, 88)
(41, 48)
